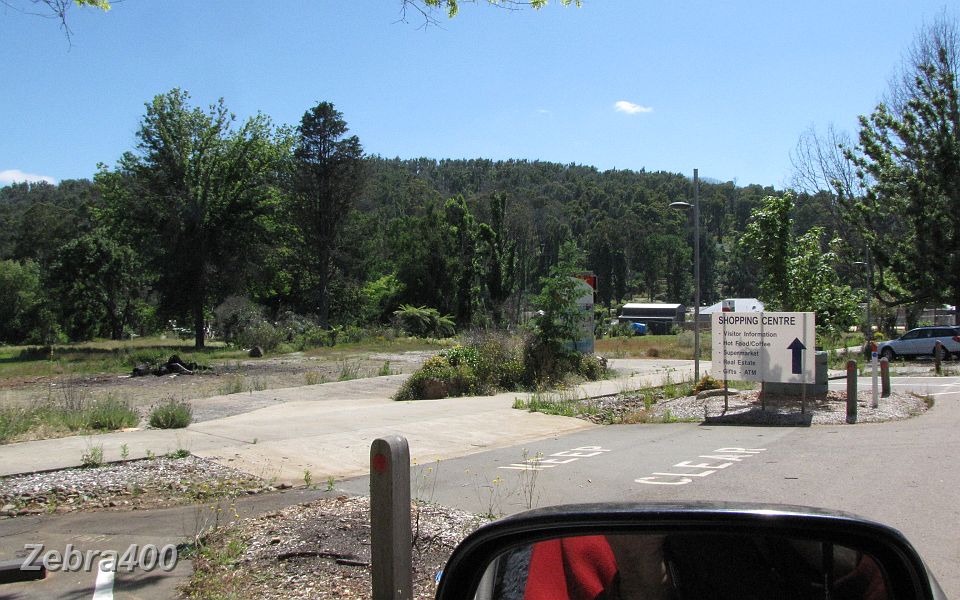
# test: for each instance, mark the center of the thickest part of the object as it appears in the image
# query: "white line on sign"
(728, 455)
(538, 463)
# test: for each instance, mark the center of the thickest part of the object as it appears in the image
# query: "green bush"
(421, 321)
(437, 378)
(172, 414)
(261, 334)
(592, 367)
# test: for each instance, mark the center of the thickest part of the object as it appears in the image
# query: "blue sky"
(727, 87)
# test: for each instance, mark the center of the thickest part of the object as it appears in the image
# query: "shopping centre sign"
(765, 346)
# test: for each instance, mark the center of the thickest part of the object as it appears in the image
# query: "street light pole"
(696, 276)
(868, 334)
(696, 269)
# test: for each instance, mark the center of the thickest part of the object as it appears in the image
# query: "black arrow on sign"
(798, 348)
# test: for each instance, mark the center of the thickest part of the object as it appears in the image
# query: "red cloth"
(575, 568)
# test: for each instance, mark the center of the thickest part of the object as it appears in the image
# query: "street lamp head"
(681, 205)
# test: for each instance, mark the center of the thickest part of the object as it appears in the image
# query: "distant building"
(739, 305)
(659, 318)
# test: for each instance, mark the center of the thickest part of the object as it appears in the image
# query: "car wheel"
(889, 354)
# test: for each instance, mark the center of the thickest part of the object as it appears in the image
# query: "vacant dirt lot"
(233, 377)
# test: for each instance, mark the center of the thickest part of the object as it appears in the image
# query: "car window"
(911, 335)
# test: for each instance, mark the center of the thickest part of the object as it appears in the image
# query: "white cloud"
(630, 108)
(544, 112)
(16, 176)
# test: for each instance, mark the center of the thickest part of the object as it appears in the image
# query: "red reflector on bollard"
(379, 463)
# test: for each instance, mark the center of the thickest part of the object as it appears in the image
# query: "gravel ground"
(746, 408)
(318, 550)
(149, 483)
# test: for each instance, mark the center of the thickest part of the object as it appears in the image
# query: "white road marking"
(726, 454)
(105, 576)
(539, 463)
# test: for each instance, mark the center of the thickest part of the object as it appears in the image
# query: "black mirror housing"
(690, 532)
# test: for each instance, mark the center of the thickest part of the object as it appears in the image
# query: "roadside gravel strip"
(156, 482)
(319, 550)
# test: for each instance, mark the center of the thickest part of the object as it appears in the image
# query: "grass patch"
(636, 406)
(679, 346)
(171, 414)
(233, 384)
(215, 574)
(314, 377)
(349, 370)
(104, 356)
(69, 414)
(559, 404)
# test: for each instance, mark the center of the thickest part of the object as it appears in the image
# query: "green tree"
(97, 283)
(768, 240)
(25, 314)
(196, 197)
(327, 178)
(464, 233)
(909, 161)
(499, 258)
(796, 273)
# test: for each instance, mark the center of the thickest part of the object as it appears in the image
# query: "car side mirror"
(606, 551)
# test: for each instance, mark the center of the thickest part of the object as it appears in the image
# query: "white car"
(922, 341)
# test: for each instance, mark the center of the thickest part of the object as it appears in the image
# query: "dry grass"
(678, 346)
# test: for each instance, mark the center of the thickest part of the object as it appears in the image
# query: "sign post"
(390, 535)
(587, 286)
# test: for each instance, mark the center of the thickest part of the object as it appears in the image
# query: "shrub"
(620, 330)
(421, 321)
(592, 367)
(437, 378)
(172, 414)
(261, 334)
(234, 315)
(110, 414)
(706, 383)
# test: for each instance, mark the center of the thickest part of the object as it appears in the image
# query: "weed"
(258, 384)
(528, 478)
(330, 483)
(150, 455)
(110, 414)
(927, 399)
(314, 377)
(234, 384)
(93, 457)
(178, 453)
(425, 484)
(307, 477)
(349, 370)
(385, 370)
(490, 496)
(171, 414)
(124, 452)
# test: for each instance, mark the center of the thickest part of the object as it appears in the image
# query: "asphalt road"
(903, 473)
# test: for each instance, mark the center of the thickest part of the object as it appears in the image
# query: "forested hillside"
(470, 238)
